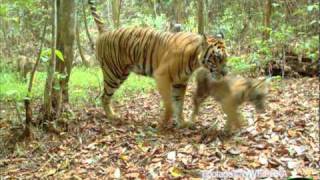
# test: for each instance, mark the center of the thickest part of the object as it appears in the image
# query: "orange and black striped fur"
(230, 92)
(170, 58)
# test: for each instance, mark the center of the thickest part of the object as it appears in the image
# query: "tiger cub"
(230, 92)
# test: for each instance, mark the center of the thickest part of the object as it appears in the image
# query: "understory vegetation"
(85, 86)
(58, 128)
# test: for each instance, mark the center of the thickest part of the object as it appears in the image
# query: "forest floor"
(282, 141)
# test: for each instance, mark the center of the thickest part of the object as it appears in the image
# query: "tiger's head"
(214, 57)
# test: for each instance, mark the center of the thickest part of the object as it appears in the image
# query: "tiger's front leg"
(234, 118)
(164, 87)
(197, 101)
(200, 94)
(178, 94)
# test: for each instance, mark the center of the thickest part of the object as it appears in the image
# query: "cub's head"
(256, 93)
(214, 57)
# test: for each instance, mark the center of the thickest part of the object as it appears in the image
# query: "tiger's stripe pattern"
(170, 58)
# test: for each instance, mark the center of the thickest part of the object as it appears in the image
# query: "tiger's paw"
(213, 133)
(165, 126)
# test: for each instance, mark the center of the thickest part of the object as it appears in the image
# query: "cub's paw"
(186, 124)
(226, 134)
(241, 122)
(210, 135)
(115, 119)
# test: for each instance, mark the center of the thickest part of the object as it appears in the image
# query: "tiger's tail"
(97, 19)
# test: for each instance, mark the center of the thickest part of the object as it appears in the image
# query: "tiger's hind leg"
(178, 94)
(110, 86)
(106, 103)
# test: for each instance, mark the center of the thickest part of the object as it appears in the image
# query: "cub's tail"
(97, 19)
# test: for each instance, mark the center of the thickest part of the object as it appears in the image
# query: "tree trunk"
(52, 66)
(66, 36)
(267, 19)
(84, 15)
(116, 4)
(178, 9)
(200, 17)
(84, 61)
(156, 7)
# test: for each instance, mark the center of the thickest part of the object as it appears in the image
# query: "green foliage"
(85, 83)
(284, 34)
(191, 24)
(229, 23)
(313, 7)
(268, 49)
(240, 64)
(263, 48)
(241, 23)
(46, 54)
(309, 47)
(135, 84)
(3, 10)
(141, 20)
(277, 81)
(11, 88)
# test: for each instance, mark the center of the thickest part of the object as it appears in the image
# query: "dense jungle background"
(52, 124)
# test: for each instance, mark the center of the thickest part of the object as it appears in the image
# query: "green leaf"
(44, 59)
(63, 76)
(59, 55)
(313, 22)
(3, 10)
(176, 172)
(310, 8)
(56, 86)
(45, 54)
(11, 92)
(27, 98)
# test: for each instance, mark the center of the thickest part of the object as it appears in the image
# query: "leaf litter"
(286, 136)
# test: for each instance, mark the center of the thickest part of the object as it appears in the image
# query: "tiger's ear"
(220, 35)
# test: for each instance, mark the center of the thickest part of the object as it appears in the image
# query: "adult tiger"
(170, 58)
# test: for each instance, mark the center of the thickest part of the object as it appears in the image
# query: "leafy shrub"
(308, 46)
(240, 65)
(141, 20)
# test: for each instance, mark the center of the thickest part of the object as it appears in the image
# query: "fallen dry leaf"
(176, 172)
(171, 156)
(117, 173)
(92, 147)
